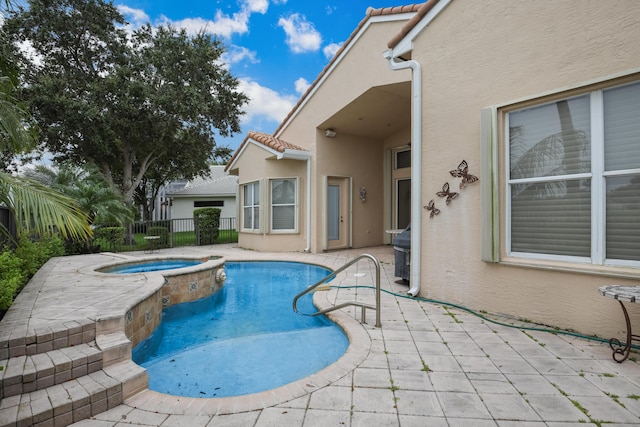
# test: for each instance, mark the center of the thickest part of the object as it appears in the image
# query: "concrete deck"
(429, 364)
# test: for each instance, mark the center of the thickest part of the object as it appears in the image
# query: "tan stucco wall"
(361, 159)
(479, 54)
(347, 155)
(257, 164)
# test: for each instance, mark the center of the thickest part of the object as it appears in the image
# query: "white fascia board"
(372, 20)
(294, 154)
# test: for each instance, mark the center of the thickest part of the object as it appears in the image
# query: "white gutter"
(416, 165)
(308, 207)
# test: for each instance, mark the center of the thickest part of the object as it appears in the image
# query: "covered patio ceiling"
(378, 113)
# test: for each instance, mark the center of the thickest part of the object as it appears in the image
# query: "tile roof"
(421, 11)
(267, 140)
(272, 142)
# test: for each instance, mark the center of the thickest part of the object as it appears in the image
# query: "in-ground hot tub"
(178, 280)
(150, 265)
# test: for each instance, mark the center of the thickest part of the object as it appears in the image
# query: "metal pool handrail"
(346, 304)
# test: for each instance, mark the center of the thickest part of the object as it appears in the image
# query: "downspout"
(308, 207)
(416, 166)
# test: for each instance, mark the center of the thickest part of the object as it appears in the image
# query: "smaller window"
(403, 159)
(283, 204)
(208, 203)
(251, 206)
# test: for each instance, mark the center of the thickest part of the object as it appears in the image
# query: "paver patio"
(428, 365)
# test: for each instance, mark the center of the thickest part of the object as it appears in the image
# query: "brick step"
(76, 399)
(29, 373)
(16, 342)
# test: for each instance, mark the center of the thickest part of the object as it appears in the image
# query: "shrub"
(207, 221)
(12, 277)
(113, 236)
(19, 265)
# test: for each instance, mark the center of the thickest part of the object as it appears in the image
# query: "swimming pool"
(243, 339)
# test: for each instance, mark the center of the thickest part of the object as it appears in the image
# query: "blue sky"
(275, 47)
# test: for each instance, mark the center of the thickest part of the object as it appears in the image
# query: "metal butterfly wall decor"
(463, 172)
(446, 193)
(431, 207)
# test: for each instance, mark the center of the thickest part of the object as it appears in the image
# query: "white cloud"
(265, 103)
(302, 36)
(302, 85)
(235, 54)
(331, 49)
(137, 17)
(259, 6)
(223, 25)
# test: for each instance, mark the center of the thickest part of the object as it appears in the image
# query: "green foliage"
(207, 221)
(34, 253)
(19, 265)
(113, 236)
(86, 185)
(163, 232)
(140, 104)
(11, 277)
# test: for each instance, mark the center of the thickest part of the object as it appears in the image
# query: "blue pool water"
(147, 266)
(243, 339)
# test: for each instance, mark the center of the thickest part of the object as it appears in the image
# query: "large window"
(251, 206)
(574, 178)
(283, 204)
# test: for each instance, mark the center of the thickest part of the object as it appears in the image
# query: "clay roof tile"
(268, 141)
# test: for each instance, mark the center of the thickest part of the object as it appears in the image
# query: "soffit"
(378, 113)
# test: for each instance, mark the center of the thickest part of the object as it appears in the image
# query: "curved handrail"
(332, 275)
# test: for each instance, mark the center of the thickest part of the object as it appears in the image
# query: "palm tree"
(35, 207)
(88, 188)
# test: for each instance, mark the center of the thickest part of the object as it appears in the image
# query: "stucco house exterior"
(218, 190)
(506, 132)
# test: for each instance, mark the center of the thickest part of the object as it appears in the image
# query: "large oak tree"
(127, 102)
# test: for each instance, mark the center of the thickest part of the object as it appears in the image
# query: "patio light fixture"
(363, 194)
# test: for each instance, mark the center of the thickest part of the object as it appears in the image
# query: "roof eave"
(294, 155)
(401, 44)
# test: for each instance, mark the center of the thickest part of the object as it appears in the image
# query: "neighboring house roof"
(270, 143)
(219, 183)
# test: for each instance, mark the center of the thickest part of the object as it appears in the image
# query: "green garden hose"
(483, 317)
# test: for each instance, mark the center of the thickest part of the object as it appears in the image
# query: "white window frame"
(295, 205)
(597, 176)
(254, 206)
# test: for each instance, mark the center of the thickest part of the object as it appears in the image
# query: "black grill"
(402, 247)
